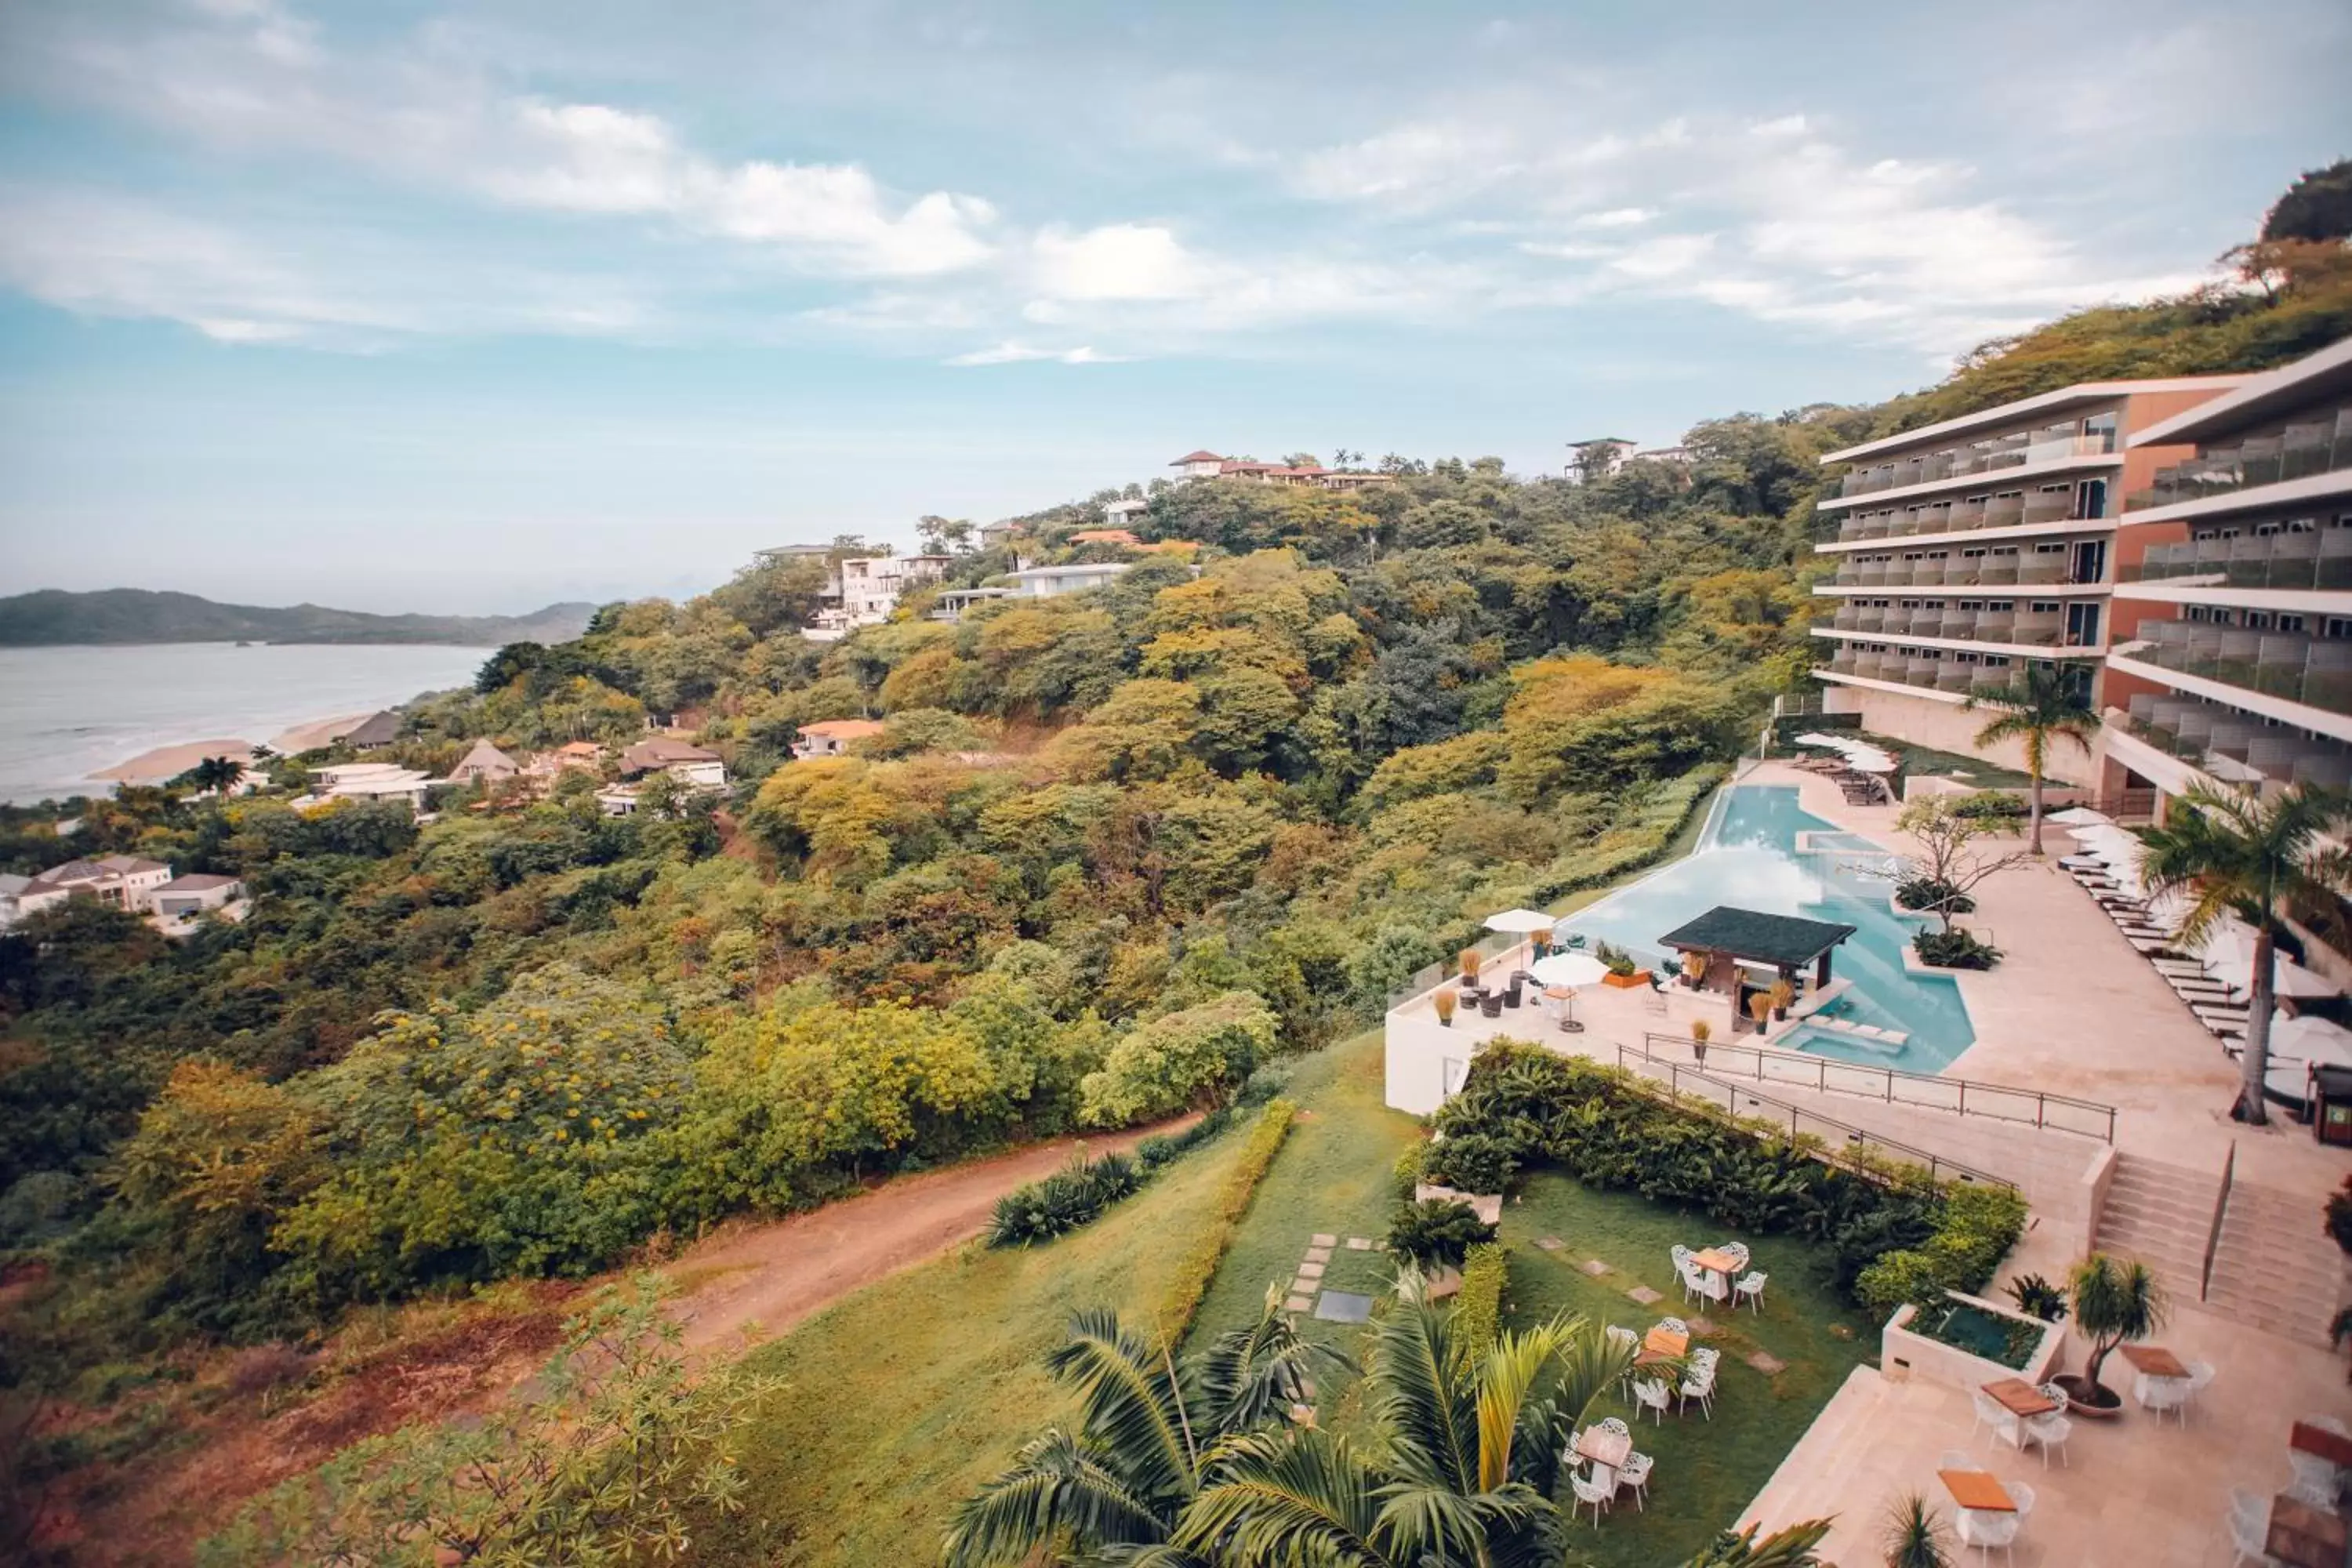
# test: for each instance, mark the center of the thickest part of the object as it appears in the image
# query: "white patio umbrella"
(1521, 922)
(1570, 970)
(2313, 1041)
(2080, 817)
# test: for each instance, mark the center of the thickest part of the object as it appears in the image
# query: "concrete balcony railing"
(2232, 746)
(2318, 443)
(1969, 571)
(2318, 559)
(2290, 666)
(2021, 628)
(2016, 451)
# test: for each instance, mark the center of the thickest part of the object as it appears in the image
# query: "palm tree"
(2041, 707)
(218, 774)
(2115, 1300)
(2264, 862)
(1471, 1451)
(1147, 1434)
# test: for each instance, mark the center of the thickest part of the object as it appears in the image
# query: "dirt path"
(753, 1283)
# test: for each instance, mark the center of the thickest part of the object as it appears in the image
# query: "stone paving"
(1308, 1285)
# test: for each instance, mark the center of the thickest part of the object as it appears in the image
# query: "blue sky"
(407, 306)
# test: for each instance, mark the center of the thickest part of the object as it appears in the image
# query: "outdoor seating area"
(2215, 977)
(1861, 771)
(2306, 1525)
(1667, 1369)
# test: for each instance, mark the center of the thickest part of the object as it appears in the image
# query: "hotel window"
(2290, 623)
(2043, 606)
(2048, 549)
(2258, 621)
(2336, 627)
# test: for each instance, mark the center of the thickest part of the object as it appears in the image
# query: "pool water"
(1747, 858)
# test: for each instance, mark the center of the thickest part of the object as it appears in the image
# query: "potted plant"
(1782, 993)
(1469, 961)
(1445, 1001)
(1701, 1032)
(2036, 1297)
(1916, 1536)
(1693, 969)
(1759, 1007)
(1624, 972)
(2116, 1301)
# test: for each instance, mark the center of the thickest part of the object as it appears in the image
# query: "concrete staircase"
(2273, 1268)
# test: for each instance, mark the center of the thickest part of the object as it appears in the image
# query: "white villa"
(1052, 581)
(1207, 465)
(366, 781)
(126, 881)
(865, 591)
(832, 737)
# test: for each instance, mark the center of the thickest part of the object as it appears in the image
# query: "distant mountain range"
(52, 616)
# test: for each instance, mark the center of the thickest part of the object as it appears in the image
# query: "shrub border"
(1199, 1265)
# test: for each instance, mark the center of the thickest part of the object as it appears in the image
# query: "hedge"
(1197, 1266)
(1894, 1233)
(1478, 1310)
(1075, 1196)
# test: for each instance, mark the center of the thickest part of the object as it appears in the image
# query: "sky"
(468, 308)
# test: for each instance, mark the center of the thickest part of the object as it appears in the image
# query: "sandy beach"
(160, 762)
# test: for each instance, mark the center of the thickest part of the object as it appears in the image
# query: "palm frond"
(1284, 1499)
(1789, 1548)
(1252, 1376)
(1130, 1405)
(1431, 1420)
(1057, 1485)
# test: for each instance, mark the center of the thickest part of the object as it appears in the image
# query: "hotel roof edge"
(2254, 396)
(2081, 391)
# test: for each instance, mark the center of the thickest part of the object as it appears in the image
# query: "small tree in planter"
(1446, 1002)
(1948, 866)
(1782, 993)
(1469, 961)
(1693, 969)
(2116, 1301)
(1701, 1032)
(1759, 1007)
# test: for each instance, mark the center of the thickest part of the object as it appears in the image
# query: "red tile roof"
(1196, 457)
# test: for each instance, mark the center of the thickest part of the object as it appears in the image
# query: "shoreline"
(158, 763)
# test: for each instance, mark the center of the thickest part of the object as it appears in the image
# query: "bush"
(1472, 1163)
(1479, 1311)
(1075, 1196)
(1165, 1148)
(1411, 1170)
(1437, 1230)
(1954, 950)
(1199, 1264)
(1991, 803)
(1975, 1230)
(1931, 894)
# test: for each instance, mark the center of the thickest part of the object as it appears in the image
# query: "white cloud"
(1617, 218)
(1668, 256)
(1423, 161)
(1011, 353)
(1120, 261)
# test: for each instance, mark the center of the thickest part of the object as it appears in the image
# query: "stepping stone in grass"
(1359, 1244)
(1318, 1255)
(1310, 1270)
(1323, 1239)
(1344, 1307)
(1767, 1363)
(1299, 1304)
(1594, 1266)
(1551, 1243)
(1644, 1295)
(1305, 1287)
(1701, 1327)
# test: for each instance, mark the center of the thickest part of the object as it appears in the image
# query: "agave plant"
(1915, 1534)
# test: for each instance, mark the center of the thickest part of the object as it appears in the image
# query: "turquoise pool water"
(1747, 858)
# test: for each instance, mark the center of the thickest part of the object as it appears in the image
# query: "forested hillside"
(52, 616)
(1108, 855)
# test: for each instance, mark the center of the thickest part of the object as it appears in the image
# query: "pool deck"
(2072, 1010)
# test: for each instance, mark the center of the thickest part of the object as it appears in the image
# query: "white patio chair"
(1614, 1425)
(1596, 1491)
(1956, 1460)
(1709, 1285)
(2250, 1529)
(1635, 1473)
(2200, 1374)
(1985, 1529)
(1650, 1394)
(1699, 1384)
(2050, 1432)
(1736, 1251)
(1751, 1290)
(2160, 1396)
(1992, 1412)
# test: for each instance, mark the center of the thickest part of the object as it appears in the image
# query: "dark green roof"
(1783, 940)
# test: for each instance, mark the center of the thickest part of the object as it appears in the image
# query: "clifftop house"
(864, 591)
(1207, 465)
(831, 737)
(126, 881)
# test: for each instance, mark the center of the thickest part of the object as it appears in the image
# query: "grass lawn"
(1708, 1470)
(902, 1400)
(1925, 760)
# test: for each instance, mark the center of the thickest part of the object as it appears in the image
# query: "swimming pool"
(1747, 855)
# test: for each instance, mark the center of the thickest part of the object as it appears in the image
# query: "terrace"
(2293, 666)
(2317, 443)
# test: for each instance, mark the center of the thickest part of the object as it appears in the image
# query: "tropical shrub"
(1075, 1196)
(1478, 1310)
(1927, 893)
(1975, 1228)
(1161, 1067)
(1437, 1231)
(1165, 1148)
(1992, 805)
(2038, 1298)
(1954, 950)
(1476, 1162)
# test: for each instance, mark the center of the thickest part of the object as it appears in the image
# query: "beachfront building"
(1969, 549)
(832, 737)
(485, 763)
(1120, 513)
(126, 881)
(182, 899)
(1052, 581)
(2231, 660)
(954, 603)
(864, 592)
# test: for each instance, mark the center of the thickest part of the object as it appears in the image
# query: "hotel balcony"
(1964, 517)
(2320, 444)
(2020, 450)
(2290, 667)
(2317, 559)
(2005, 627)
(2053, 571)
(2233, 746)
(1949, 675)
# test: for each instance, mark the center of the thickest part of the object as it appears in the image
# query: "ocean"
(67, 713)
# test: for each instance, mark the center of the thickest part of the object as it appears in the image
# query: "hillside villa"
(1207, 465)
(126, 881)
(485, 763)
(865, 590)
(831, 737)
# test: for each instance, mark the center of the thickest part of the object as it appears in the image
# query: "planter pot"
(1444, 1021)
(2081, 1393)
(1780, 1014)
(1639, 978)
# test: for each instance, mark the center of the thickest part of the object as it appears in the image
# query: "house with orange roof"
(832, 737)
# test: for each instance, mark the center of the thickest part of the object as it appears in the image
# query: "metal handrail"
(1938, 1168)
(1965, 1097)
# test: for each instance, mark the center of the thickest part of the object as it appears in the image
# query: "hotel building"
(1967, 549)
(2231, 655)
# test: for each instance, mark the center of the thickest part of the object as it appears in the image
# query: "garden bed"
(1967, 1344)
